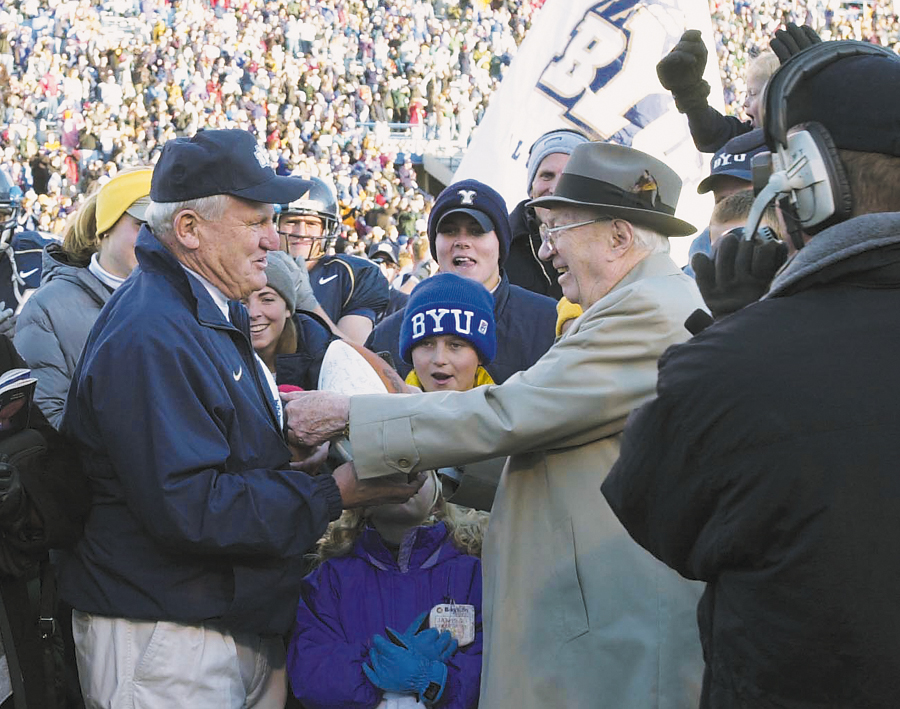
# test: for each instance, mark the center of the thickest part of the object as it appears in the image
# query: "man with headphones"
(350, 291)
(766, 465)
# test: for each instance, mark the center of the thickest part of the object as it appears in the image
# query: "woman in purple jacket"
(372, 623)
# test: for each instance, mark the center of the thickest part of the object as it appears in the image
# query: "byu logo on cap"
(725, 159)
(467, 196)
(461, 325)
(260, 156)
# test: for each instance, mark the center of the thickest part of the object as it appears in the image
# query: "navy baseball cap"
(733, 159)
(215, 162)
(484, 204)
(384, 249)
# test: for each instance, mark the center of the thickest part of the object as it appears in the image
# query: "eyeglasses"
(547, 231)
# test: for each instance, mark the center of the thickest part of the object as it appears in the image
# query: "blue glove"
(430, 643)
(399, 669)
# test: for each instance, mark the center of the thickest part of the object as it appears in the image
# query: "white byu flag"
(592, 67)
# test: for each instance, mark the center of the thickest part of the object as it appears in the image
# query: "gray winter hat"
(283, 276)
(561, 140)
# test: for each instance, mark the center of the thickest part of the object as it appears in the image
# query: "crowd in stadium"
(222, 260)
(87, 88)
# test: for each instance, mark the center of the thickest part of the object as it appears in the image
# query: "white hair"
(160, 216)
(646, 239)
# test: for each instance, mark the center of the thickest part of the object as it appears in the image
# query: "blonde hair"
(465, 527)
(80, 240)
(762, 66)
(80, 237)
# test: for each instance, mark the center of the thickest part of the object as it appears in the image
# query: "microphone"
(698, 321)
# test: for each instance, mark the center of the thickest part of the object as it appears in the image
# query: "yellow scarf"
(481, 378)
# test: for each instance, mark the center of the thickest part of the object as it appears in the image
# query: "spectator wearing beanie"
(453, 352)
(448, 334)
(546, 160)
(291, 344)
(469, 236)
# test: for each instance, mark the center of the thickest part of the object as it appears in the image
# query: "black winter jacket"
(767, 466)
(711, 130)
(522, 265)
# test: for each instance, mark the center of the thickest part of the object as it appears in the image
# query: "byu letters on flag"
(591, 66)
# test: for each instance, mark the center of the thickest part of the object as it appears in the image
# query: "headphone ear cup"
(819, 185)
(837, 175)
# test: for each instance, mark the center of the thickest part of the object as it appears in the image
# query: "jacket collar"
(650, 266)
(420, 548)
(501, 294)
(838, 251)
(153, 256)
(56, 265)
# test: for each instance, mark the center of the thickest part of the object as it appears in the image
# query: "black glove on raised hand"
(681, 72)
(741, 272)
(792, 40)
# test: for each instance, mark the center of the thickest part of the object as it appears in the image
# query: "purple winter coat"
(349, 599)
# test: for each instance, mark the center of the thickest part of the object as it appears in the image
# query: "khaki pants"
(127, 664)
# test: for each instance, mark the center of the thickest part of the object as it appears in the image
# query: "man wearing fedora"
(576, 614)
(187, 575)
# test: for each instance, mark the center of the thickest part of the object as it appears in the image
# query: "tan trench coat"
(576, 614)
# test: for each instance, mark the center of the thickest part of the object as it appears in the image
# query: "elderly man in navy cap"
(188, 572)
(576, 614)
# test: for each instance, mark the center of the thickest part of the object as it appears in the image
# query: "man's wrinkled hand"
(314, 417)
(385, 490)
(740, 273)
(309, 460)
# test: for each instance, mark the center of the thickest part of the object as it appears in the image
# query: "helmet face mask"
(303, 234)
(310, 223)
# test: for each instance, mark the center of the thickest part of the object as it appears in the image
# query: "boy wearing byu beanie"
(450, 308)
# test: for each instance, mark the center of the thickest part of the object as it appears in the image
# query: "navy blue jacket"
(27, 247)
(195, 514)
(349, 285)
(349, 599)
(526, 327)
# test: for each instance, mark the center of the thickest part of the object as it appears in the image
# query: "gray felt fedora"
(621, 182)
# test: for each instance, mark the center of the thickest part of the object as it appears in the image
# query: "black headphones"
(804, 164)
